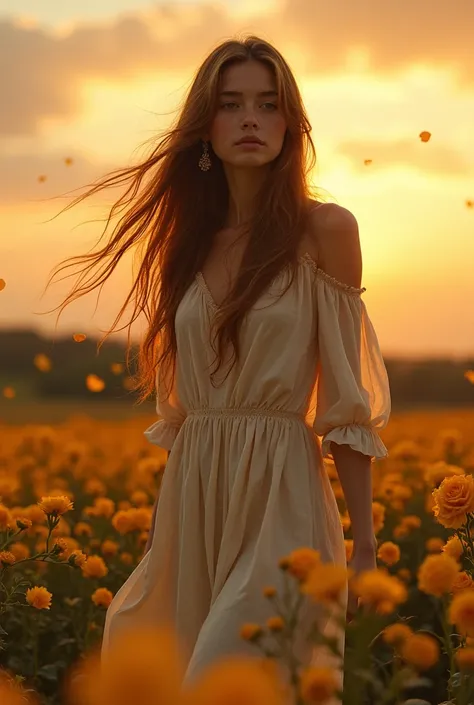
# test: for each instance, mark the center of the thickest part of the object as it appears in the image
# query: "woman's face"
(247, 111)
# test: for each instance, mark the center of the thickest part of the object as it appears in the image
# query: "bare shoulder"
(334, 234)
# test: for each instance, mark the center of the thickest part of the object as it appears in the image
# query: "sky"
(91, 82)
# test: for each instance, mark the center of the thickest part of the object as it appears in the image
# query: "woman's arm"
(355, 475)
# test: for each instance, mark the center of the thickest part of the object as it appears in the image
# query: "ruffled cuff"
(361, 438)
(162, 434)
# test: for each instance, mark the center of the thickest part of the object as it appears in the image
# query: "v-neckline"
(201, 280)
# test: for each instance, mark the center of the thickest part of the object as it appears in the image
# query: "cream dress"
(245, 482)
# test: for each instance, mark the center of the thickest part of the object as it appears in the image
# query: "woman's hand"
(363, 558)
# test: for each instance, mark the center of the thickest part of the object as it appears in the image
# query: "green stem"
(35, 646)
(442, 608)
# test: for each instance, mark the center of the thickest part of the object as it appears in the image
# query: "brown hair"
(179, 208)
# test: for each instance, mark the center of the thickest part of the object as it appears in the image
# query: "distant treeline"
(429, 382)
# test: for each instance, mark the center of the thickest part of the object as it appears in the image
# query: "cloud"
(46, 69)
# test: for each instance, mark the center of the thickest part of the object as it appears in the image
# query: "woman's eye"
(224, 105)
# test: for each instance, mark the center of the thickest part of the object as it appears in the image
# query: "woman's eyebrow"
(239, 93)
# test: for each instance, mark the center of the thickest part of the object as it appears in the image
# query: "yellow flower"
(378, 514)
(411, 522)
(103, 507)
(407, 451)
(349, 546)
(462, 581)
(454, 498)
(421, 651)
(109, 548)
(139, 498)
(250, 631)
(436, 472)
(275, 624)
(396, 634)
(404, 574)
(269, 591)
(239, 680)
(437, 573)
(126, 558)
(39, 597)
(20, 550)
(345, 522)
(23, 523)
(55, 505)
(389, 553)
(11, 692)
(400, 531)
(95, 486)
(461, 612)
(77, 557)
(141, 517)
(148, 673)
(434, 544)
(453, 547)
(318, 684)
(33, 512)
(302, 561)
(122, 522)
(379, 590)
(83, 529)
(7, 558)
(102, 597)
(326, 582)
(60, 546)
(465, 658)
(94, 567)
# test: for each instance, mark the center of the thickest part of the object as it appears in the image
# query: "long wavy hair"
(174, 209)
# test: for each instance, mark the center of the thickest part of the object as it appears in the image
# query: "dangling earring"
(205, 162)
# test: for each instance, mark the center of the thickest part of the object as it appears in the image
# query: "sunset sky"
(93, 83)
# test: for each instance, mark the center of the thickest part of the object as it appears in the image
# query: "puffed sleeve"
(164, 431)
(353, 394)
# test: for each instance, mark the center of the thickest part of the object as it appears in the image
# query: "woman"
(236, 251)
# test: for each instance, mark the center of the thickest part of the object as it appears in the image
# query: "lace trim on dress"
(207, 292)
(304, 259)
(331, 280)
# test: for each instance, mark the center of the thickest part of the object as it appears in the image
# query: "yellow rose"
(453, 499)
(463, 581)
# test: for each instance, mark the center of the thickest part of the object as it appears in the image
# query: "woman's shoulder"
(333, 233)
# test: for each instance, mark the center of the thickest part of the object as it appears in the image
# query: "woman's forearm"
(355, 475)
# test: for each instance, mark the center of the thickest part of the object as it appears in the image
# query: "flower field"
(76, 503)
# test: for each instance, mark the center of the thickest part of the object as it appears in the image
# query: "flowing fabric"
(245, 483)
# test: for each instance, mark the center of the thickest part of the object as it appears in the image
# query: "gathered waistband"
(246, 411)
